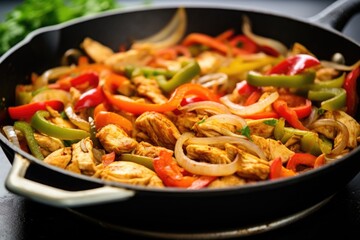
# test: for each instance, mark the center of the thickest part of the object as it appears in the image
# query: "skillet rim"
(243, 189)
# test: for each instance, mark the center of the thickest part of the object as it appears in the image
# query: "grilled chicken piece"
(227, 181)
(115, 139)
(326, 73)
(159, 128)
(97, 51)
(133, 57)
(186, 121)
(252, 167)
(212, 128)
(352, 125)
(207, 153)
(209, 61)
(82, 154)
(260, 127)
(48, 144)
(130, 173)
(148, 150)
(272, 148)
(59, 158)
(149, 88)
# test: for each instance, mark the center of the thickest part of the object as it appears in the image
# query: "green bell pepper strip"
(28, 133)
(184, 75)
(277, 80)
(39, 122)
(142, 160)
(333, 83)
(314, 144)
(310, 142)
(131, 71)
(332, 98)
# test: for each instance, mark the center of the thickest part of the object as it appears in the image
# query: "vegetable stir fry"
(189, 111)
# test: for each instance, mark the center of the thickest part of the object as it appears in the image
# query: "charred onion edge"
(11, 135)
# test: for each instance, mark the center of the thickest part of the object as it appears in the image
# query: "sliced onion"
(340, 67)
(251, 109)
(262, 41)
(249, 145)
(170, 35)
(213, 80)
(229, 119)
(50, 74)
(11, 135)
(76, 120)
(338, 125)
(208, 106)
(201, 168)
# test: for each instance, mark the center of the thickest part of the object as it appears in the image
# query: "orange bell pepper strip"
(277, 170)
(111, 84)
(103, 118)
(213, 43)
(173, 175)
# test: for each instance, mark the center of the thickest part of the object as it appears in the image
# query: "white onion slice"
(340, 126)
(229, 119)
(76, 120)
(201, 168)
(338, 66)
(262, 41)
(213, 80)
(251, 109)
(208, 106)
(170, 35)
(249, 145)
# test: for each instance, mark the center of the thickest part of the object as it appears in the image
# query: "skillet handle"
(17, 183)
(337, 14)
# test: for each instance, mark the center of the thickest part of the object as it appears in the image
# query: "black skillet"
(180, 213)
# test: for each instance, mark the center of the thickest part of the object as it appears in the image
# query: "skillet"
(256, 205)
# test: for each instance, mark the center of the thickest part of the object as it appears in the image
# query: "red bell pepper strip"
(245, 43)
(213, 43)
(277, 170)
(294, 64)
(173, 175)
(301, 105)
(85, 81)
(297, 159)
(170, 105)
(108, 158)
(350, 86)
(104, 118)
(90, 98)
(281, 107)
(25, 112)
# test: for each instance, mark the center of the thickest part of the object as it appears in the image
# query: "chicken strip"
(159, 128)
(82, 154)
(130, 173)
(272, 148)
(149, 88)
(59, 158)
(115, 139)
(148, 150)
